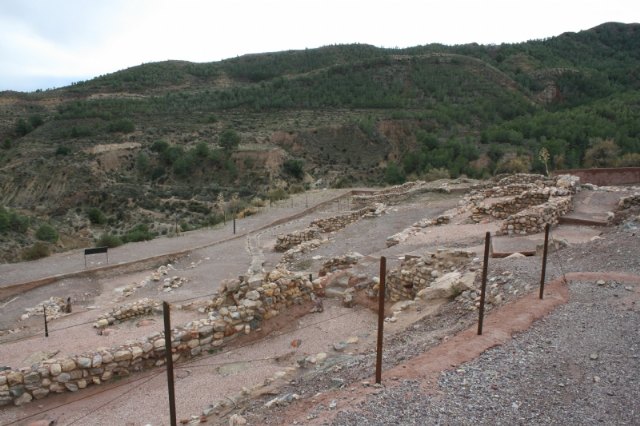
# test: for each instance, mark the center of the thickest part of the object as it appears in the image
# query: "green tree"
(229, 140)
(394, 174)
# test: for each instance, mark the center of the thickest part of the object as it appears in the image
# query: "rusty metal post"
(381, 292)
(483, 289)
(46, 326)
(544, 259)
(169, 361)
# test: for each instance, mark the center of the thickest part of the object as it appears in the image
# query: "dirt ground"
(141, 399)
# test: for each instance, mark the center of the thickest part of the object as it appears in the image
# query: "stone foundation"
(238, 308)
(418, 273)
(129, 311)
(533, 219)
(628, 202)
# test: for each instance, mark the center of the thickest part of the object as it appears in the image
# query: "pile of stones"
(307, 246)
(56, 307)
(170, 284)
(627, 202)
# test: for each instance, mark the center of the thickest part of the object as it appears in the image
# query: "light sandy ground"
(142, 399)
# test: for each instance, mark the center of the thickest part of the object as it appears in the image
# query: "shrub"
(18, 223)
(36, 251)
(63, 150)
(394, 174)
(96, 216)
(296, 188)
(294, 167)
(435, 174)
(159, 146)
(48, 233)
(108, 240)
(139, 232)
(277, 194)
(122, 125)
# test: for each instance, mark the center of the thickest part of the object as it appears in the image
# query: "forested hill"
(164, 139)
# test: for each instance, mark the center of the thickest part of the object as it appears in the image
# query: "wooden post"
(381, 291)
(483, 290)
(169, 361)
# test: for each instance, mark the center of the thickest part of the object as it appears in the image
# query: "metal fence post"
(46, 326)
(483, 290)
(381, 292)
(544, 259)
(169, 361)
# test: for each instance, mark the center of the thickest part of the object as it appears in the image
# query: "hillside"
(131, 153)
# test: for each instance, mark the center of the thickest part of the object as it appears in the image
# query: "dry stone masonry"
(339, 263)
(628, 202)
(397, 193)
(416, 274)
(531, 202)
(331, 224)
(533, 219)
(238, 308)
(287, 241)
(129, 311)
(55, 306)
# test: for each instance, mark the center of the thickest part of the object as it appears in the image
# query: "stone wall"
(533, 219)
(417, 273)
(330, 224)
(286, 241)
(391, 195)
(339, 263)
(129, 311)
(502, 209)
(238, 308)
(607, 176)
(627, 202)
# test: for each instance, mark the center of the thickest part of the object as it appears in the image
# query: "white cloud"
(81, 38)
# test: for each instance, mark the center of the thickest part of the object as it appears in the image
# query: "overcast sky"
(51, 43)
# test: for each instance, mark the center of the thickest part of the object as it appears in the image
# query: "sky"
(52, 43)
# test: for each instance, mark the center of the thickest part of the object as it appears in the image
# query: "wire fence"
(208, 360)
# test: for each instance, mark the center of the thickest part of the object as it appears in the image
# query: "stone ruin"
(629, 201)
(239, 307)
(397, 193)
(129, 311)
(286, 242)
(525, 202)
(56, 307)
(445, 273)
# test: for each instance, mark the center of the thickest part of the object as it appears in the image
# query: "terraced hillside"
(162, 146)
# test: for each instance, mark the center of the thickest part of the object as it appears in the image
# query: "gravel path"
(579, 363)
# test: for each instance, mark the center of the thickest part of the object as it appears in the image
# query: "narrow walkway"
(70, 263)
